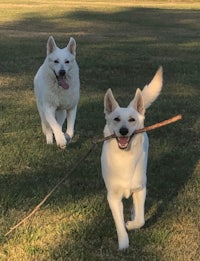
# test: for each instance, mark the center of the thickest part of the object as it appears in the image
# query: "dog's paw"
(123, 243)
(130, 225)
(62, 147)
(61, 142)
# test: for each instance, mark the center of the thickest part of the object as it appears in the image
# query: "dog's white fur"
(56, 103)
(124, 166)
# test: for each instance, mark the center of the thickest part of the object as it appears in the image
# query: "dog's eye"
(66, 61)
(56, 61)
(117, 119)
(131, 120)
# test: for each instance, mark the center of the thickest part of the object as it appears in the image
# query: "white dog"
(124, 159)
(56, 87)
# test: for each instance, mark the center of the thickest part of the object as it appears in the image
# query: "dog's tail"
(153, 89)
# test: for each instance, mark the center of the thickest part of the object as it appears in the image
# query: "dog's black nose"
(123, 131)
(62, 72)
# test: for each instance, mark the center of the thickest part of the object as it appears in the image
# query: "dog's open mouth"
(62, 81)
(123, 142)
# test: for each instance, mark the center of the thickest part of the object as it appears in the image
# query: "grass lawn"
(120, 45)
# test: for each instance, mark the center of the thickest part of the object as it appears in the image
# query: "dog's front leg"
(116, 206)
(56, 128)
(138, 205)
(71, 116)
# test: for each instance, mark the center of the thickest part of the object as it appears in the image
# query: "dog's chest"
(63, 99)
(124, 171)
(122, 166)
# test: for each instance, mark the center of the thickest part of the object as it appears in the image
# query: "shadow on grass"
(114, 50)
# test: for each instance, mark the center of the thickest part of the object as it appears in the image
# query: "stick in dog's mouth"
(149, 128)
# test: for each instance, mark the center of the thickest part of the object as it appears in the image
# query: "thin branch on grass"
(93, 146)
(52, 190)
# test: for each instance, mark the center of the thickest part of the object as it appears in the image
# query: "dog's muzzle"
(61, 78)
(123, 140)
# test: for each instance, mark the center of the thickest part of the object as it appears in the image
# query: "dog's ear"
(153, 89)
(51, 45)
(138, 102)
(71, 47)
(110, 104)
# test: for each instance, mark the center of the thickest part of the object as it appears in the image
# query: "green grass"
(120, 45)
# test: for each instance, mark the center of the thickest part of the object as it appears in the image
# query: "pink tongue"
(123, 141)
(63, 83)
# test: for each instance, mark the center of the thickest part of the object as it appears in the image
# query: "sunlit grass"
(120, 44)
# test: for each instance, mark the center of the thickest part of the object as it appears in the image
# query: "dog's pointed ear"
(138, 102)
(153, 89)
(51, 45)
(71, 47)
(110, 104)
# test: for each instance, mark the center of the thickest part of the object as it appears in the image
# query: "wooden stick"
(160, 124)
(148, 128)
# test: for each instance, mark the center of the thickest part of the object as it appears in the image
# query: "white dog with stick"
(124, 158)
(56, 86)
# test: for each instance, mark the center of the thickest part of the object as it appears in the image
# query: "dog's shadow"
(166, 176)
